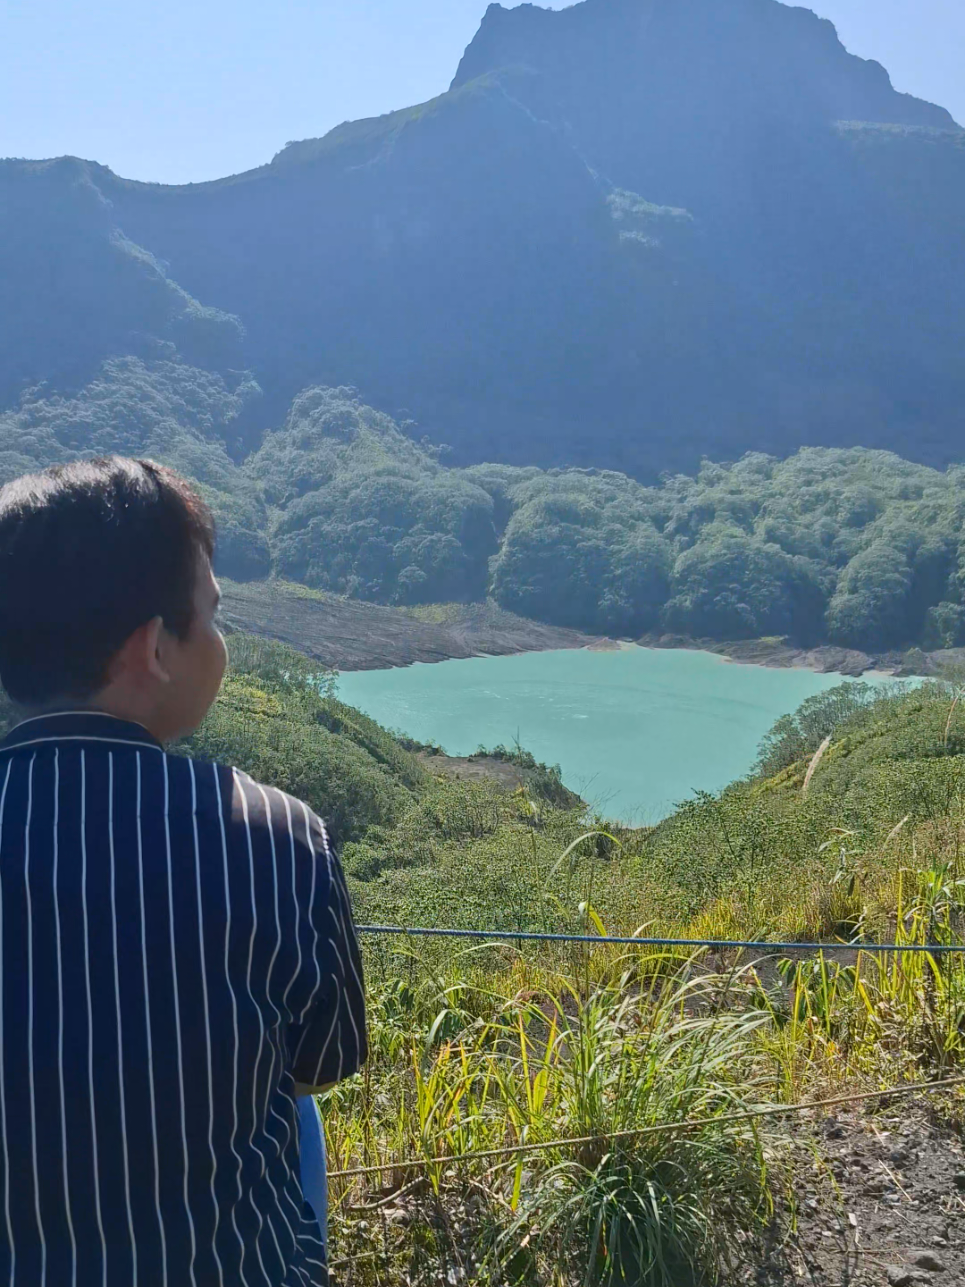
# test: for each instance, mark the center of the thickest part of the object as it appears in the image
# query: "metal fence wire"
(599, 940)
(766, 1110)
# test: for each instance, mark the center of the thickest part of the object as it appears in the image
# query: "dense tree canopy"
(163, 410)
(580, 550)
(855, 547)
(361, 509)
(731, 585)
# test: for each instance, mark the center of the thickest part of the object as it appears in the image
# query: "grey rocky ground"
(826, 658)
(347, 634)
(872, 1200)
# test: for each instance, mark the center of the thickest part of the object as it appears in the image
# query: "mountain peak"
(717, 56)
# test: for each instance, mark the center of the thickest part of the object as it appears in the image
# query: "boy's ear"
(141, 656)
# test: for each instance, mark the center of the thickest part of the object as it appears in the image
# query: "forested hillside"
(852, 546)
(633, 233)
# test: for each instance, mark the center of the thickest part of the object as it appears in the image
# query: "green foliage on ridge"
(362, 510)
(853, 546)
(276, 718)
(844, 545)
(164, 410)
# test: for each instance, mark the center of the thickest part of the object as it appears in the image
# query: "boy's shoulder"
(250, 808)
(259, 808)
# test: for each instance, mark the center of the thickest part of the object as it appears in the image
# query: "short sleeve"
(328, 1042)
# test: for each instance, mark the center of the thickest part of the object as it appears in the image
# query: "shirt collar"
(75, 726)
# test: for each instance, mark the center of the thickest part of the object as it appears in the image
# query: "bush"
(733, 586)
(797, 736)
(944, 626)
(869, 606)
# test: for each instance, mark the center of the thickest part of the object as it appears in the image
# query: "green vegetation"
(276, 719)
(848, 546)
(851, 827)
(856, 547)
(361, 509)
(162, 409)
(853, 547)
(465, 259)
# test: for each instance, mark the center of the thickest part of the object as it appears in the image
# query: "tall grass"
(851, 831)
(489, 1049)
(529, 1056)
(496, 1046)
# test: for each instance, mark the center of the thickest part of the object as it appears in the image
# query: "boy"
(177, 956)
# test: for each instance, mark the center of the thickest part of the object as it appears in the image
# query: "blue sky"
(184, 90)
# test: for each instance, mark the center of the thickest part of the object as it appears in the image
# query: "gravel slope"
(350, 635)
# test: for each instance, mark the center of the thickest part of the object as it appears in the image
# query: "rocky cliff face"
(706, 57)
(678, 99)
(632, 233)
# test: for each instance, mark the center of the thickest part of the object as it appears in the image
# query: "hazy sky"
(182, 90)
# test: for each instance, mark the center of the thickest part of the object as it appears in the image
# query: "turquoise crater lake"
(634, 731)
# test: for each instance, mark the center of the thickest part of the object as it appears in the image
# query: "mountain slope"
(75, 289)
(633, 232)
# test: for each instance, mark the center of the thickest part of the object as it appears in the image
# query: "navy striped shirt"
(176, 950)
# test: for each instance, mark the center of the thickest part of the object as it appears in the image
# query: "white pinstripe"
(341, 1052)
(340, 929)
(298, 1269)
(207, 1013)
(68, 713)
(60, 1018)
(342, 900)
(77, 737)
(30, 1018)
(177, 1013)
(311, 916)
(261, 1028)
(298, 942)
(301, 1042)
(150, 1045)
(297, 904)
(234, 1021)
(90, 1012)
(332, 942)
(117, 1002)
(335, 888)
(275, 1053)
(280, 1147)
(343, 903)
(3, 1098)
(274, 870)
(341, 998)
(271, 1013)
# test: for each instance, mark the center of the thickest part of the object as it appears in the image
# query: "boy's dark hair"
(88, 553)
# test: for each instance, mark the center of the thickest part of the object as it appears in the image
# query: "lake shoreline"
(634, 730)
(351, 635)
(824, 659)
